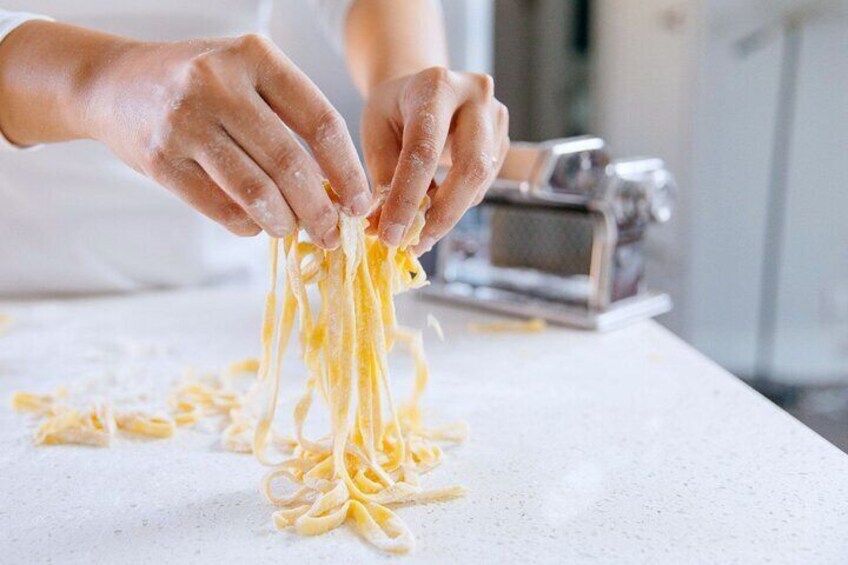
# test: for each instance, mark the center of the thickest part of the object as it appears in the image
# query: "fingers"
(429, 109)
(381, 147)
(501, 134)
(193, 185)
(301, 105)
(475, 151)
(264, 137)
(246, 184)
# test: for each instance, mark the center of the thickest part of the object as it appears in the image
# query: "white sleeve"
(9, 21)
(333, 14)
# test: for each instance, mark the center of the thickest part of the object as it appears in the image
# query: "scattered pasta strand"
(376, 450)
(6, 322)
(193, 401)
(40, 404)
(534, 325)
(249, 365)
(69, 426)
(139, 423)
(434, 323)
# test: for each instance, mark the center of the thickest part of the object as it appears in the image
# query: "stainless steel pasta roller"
(560, 236)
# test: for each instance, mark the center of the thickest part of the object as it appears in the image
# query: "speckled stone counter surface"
(628, 447)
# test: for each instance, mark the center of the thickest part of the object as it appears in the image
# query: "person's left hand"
(408, 125)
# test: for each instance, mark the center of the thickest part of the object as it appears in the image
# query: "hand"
(210, 121)
(409, 123)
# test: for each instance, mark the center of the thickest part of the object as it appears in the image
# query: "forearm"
(48, 73)
(386, 39)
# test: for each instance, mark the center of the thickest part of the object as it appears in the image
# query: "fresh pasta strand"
(533, 325)
(6, 322)
(194, 400)
(376, 451)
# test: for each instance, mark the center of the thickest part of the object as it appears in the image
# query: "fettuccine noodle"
(194, 400)
(96, 426)
(533, 325)
(6, 322)
(373, 458)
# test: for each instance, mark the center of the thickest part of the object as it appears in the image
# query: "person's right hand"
(212, 121)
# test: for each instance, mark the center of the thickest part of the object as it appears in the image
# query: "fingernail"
(425, 245)
(361, 204)
(331, 238)
(392, 234)
(281, 231)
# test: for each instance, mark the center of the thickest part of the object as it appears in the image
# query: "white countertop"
(628, 447)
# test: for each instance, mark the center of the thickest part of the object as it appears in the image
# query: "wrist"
(386, 39)
(49, 76)
(94, 86)
(12, 47)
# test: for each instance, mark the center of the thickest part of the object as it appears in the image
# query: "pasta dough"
(376, 451)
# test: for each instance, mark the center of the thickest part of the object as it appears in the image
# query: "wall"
(643, 91)
(697, 83)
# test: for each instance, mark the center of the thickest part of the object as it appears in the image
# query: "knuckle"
(287, 157)
(406, 201)
(157, 158)
(201, 69)
(478, 169)
(252, 43)
(403, 206)
(423, 151)
(352, 175)
(252, 190)
(435, 75)
(330, 128)
(485, 85)
(439, 222)
(431, 84)
(199, 76)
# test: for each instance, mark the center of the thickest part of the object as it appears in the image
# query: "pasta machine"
(560, 236)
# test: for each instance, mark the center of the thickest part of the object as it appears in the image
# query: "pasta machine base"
(618, 315)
